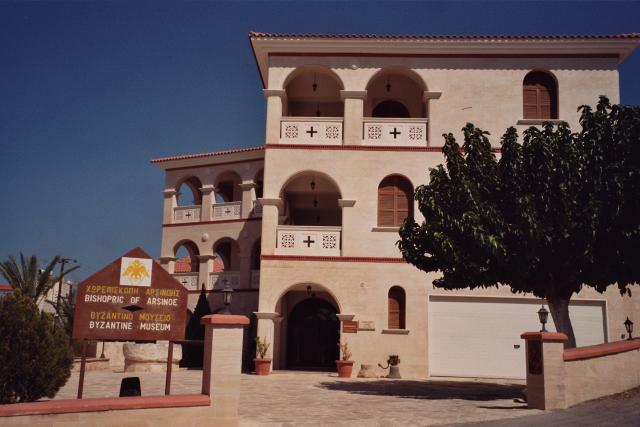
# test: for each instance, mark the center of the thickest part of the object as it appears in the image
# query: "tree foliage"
(35, 353)
(30, 278)
(552, 214)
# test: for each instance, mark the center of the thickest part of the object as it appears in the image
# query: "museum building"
(304, 227)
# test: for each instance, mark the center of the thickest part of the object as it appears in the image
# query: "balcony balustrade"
(255, 279)
(188, 280)
(221, 279)
(311, 130)
(392, 131)
(308, 240)
(186, 214)
(225, 211)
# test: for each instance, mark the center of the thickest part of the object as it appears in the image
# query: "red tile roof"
(447, 36)
(211, 154)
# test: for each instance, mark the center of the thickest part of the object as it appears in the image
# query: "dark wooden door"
(313, 332)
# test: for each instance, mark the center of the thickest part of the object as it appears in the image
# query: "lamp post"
(226, 296)
(62, 261)
(628, 325)
(543, 314)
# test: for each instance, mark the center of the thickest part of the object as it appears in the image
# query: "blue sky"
(91, 91)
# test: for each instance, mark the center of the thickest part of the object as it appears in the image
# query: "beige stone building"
(304, 226)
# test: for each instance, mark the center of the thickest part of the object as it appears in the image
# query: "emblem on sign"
(135, 272)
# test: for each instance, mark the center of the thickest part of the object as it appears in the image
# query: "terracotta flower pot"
(263, 366)
(344, 368)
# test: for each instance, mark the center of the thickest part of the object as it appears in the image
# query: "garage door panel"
(480, 337)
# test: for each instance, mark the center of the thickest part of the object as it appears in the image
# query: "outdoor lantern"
(226, 297)
(628, 325)
(543, 314)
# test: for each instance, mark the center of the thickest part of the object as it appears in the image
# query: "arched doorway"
(313, 332)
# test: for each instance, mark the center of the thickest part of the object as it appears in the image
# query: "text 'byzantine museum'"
(304, 227)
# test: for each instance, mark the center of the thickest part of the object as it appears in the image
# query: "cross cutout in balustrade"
(395, 133)
(311, 132)
(308, 241)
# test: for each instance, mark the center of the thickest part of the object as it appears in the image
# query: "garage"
(480, 336)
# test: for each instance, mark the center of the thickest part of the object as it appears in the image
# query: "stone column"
(206, 211)
(545, 370)
(353, 112)
(170, 202)
(275, 102)
(222, 365)
(248, 196)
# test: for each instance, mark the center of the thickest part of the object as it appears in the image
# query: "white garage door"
(480, 337)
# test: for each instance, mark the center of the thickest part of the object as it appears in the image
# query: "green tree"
(32, 280)
(555, 213)
(35, 353)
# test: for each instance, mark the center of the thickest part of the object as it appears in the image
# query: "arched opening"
(540, 96)
(395, 201)
(396, 308)
(309, 333)
(311, 198)
(313, 92)
(395, 93)
(189, 192)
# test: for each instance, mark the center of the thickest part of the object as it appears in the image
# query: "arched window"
(395, 201)
(539, 96)
(396, 308)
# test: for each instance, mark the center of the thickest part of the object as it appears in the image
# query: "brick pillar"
(222, 365)
(545, 370)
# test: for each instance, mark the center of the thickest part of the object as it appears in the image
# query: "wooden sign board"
(131, 299)
(350, 327)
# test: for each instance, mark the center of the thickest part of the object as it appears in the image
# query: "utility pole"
(62, 261)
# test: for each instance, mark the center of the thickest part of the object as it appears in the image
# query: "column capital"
(426, 95)
(354, 94)
(274, 92)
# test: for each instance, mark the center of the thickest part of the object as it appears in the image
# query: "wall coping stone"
(224, 320)
(601, 350)
(67, 406)
(544, 336)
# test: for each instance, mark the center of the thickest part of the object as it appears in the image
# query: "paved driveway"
(321, 399)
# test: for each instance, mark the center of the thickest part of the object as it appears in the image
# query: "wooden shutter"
(396, 308)
(539, 96)
(395, 201)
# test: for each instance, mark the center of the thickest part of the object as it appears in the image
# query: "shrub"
(35, 353)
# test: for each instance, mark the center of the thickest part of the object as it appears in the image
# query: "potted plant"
(345, 364)
(262, 363)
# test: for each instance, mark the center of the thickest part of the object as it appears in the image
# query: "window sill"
(386, 229)
(396, 331)
(537, 122)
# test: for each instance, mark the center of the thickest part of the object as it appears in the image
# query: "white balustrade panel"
(308, 240)
(186, 214)
(223, 211)
(188, 280)
(255, 279)
(311, 130)
(218, 279)
(399, 132)
(257, 209)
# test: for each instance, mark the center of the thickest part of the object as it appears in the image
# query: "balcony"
(255, 279)
(391, 131)
(311, 130)
(226, 211)
(221, 279)
(308, 240)
(186, 214)
(188, 280)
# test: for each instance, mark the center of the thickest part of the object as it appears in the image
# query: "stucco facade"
(300, 215)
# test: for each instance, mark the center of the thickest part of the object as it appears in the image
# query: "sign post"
(131, 299)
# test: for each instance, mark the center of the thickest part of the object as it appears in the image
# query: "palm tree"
(31, 280)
